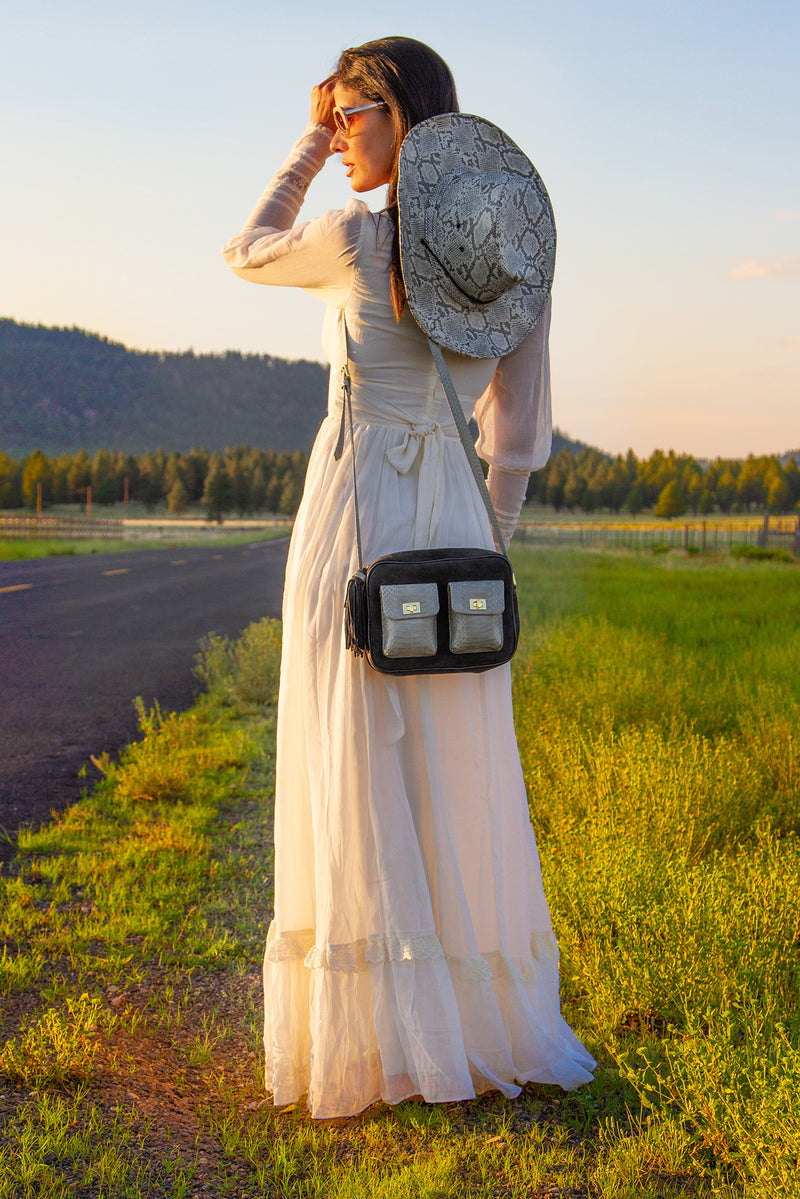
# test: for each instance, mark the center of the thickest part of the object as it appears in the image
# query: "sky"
(135, 139)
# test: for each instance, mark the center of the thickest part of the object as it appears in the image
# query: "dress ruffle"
(413, 947)
(399, 1018)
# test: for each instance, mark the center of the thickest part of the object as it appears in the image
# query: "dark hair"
(414, 83)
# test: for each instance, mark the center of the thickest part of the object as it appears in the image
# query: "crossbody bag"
(435, 611)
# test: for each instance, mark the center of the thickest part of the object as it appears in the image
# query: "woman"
(411, 952)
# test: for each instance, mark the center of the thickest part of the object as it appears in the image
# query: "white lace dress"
(411, 950)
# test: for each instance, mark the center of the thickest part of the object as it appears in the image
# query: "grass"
(657, 702)
(536, 511)
(14, 549)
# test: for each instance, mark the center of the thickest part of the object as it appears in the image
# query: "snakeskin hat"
(477, 236)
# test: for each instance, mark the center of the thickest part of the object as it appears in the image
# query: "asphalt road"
(80, 637)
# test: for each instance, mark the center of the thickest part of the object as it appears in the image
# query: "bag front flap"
(480, 595)
(409, 601)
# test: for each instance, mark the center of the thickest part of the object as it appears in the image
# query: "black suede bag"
(465, 598)
(432, 611)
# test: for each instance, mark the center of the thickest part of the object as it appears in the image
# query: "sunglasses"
(342, 115)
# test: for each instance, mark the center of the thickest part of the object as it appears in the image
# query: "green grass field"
(13, 549)
(657, 703)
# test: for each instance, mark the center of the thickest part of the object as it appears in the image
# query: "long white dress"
(411, 950)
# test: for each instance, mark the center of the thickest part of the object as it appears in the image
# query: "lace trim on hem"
(288, 947)
(360, 955)
(356, 956)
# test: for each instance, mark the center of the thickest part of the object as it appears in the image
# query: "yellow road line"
(179, 562)
(123, 570)
(16, 587)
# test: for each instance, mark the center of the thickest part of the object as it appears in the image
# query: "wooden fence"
(782, 532)
(703, 536)
(70, 528)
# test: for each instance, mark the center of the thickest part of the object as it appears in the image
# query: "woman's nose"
(338, 142)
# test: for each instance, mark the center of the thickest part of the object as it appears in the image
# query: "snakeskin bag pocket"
(409, 612)
(476, 615)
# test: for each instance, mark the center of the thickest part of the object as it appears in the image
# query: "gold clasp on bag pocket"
(477, 605)
(411, 609)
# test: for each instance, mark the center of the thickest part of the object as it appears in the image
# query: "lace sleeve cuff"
(507, 489)
(279, 204)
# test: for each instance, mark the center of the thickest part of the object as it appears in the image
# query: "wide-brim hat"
(477, 235)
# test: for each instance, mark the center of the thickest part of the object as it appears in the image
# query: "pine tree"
(218, 492)
(10, 482)
(178, 497)
(634, 501)
(258, 492)
(79, 476)
(105, 489)
(726, 489)
(750, 484)
(274, 492)
(195, 470)
(36, 470)
(151, 479)
(671, 500)
(778, 493)
(290, 496)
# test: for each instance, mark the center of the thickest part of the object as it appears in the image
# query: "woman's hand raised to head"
(322, 103)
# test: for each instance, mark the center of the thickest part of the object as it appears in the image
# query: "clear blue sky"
(136, 137)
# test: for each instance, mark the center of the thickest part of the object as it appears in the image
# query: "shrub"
(242, 673)
(761, 553)
(168, 761)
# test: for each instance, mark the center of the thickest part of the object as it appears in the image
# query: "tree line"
(241, 480)
(668, 484)
(246, 481)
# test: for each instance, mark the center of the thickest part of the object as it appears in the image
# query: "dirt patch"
(165, 1068)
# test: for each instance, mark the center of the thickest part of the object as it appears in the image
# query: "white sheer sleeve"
(317, 255)
(514, 418)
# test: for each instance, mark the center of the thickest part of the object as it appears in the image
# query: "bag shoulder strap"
(466, 441)
(461, 425)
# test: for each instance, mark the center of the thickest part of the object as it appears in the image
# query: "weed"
(19, 971)
(57, 1048)
(172, 753)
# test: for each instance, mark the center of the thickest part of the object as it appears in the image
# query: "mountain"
(562, 442)
(62, 390)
